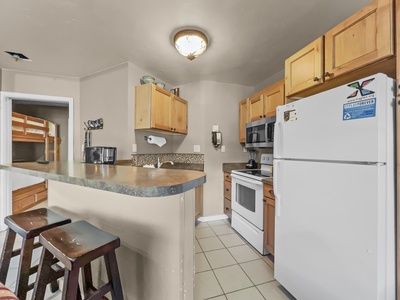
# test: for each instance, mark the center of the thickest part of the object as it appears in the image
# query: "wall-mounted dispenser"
(216, 137)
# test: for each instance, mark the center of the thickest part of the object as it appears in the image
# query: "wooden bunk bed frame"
(33, 130)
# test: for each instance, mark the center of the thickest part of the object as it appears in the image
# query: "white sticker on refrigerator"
(290, 115)
(359, 109)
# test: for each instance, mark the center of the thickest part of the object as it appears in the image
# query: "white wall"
(262, 85)
(42, 84)
(212, 103)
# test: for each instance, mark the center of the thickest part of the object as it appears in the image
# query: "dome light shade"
(190, 43)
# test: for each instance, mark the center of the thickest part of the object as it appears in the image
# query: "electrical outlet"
(222, 148)
(196, 148)
(215, 128)
(244, 149)
(134, 148)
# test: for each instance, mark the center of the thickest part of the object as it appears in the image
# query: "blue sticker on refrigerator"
(359, 109)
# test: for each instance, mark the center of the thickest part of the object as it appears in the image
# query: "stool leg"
(70, 288)
(6, 254)
(113, 275)
(87, 280)
(43, 271)
(24, 268)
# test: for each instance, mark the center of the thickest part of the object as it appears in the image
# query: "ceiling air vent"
(18, 56)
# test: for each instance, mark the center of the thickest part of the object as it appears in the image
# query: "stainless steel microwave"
(260, 133)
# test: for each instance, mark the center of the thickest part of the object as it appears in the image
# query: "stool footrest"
(17, 252)
(95, 293)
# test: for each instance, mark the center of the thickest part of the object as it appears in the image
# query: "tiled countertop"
(134, 181)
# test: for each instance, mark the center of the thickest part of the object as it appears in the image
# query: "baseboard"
(212, 218)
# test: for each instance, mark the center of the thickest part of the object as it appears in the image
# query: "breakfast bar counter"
(151, 210)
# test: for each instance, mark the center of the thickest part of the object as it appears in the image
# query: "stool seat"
(28, 225)
(76, 245)
(31, 223)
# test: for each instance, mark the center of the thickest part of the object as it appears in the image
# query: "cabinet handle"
(227, 190)
(264, 200)
(315, 79)
(327, 74)
(265, 116)
(260, 116)
(226, 208)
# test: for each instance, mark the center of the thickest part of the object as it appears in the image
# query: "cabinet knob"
(327, 74)
(227, 190)
(265, 116)
(315, 79)
(260, 116)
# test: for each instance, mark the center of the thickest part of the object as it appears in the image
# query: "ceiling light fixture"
(190, 43)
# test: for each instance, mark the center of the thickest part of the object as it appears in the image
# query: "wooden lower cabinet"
(269, 218)
(227, 195)
(29, 196)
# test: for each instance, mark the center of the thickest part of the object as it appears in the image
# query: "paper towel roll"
(159, 141)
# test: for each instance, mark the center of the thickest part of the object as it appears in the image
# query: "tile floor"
(228, 268)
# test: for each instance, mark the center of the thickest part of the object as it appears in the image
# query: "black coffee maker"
(252, 164)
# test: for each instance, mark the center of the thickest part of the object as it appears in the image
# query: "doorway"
(6, 102)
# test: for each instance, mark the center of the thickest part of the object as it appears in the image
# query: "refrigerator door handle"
(278, 140)
(277, 178)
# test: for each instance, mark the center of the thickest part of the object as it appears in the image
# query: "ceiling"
(249, 39)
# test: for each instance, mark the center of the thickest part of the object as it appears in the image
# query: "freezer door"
(334, 231)
(340, 124)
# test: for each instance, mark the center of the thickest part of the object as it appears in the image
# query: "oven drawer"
(269, 191)
(227, 190)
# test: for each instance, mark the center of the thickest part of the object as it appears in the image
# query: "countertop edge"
(137, 191)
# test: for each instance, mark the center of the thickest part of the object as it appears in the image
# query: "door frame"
(6, 99)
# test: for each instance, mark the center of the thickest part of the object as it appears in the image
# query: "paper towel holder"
(159, 141)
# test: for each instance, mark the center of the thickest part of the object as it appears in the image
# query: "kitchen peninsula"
(151, 210)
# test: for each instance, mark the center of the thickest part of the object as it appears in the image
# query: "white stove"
(247, 202)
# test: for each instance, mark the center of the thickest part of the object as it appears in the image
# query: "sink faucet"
(159, 164)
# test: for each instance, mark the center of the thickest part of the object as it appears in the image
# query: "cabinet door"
(274, 96)
(179, 116)
(243, 119)
(160, 109)
(365, 37)
(304, 69)
(269, 225)
(256, 107)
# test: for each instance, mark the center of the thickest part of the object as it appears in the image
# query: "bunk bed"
(29, 191)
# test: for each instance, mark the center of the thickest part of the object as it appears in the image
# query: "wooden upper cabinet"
(273, 96)
(243, 119)
(304, 69)
(179, 116)
(362, 39)
(256, 107)
(264, 103)
(156, 108)
(360, 46)
(161, 109)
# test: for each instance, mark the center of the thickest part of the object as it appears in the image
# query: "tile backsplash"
(139, 160)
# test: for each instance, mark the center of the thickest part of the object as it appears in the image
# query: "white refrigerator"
(334, 184)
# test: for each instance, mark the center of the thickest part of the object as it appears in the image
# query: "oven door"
(247, 199)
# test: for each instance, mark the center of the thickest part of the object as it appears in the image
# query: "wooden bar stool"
(28, 225)
(76, 245)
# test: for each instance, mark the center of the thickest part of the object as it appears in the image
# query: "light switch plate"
(134, 148)
(215, 128)
(196, 148)
(222, 148)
